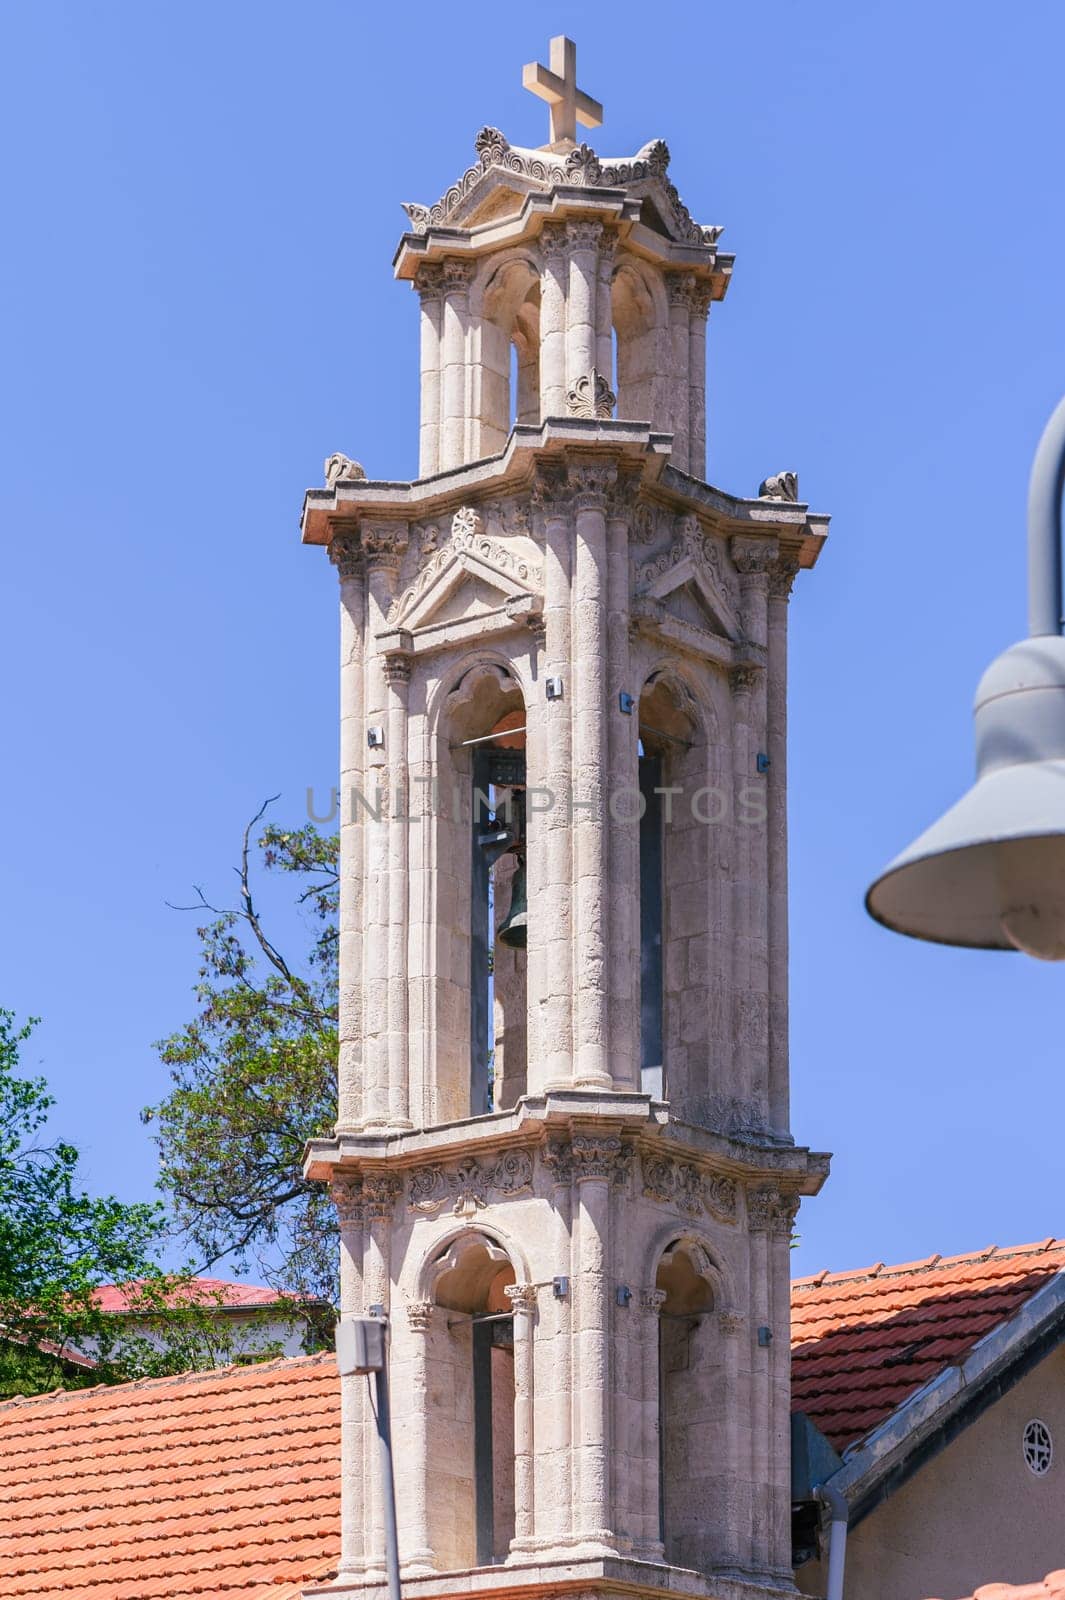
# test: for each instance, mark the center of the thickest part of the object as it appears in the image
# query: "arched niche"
(640, 321)
(505, 307)
(677, 922)
(692, 1405)
(479, 1043)
(470, 1403)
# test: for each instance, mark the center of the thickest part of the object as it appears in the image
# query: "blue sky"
(202, 203)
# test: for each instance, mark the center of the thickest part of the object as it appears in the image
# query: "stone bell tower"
(563, 1165)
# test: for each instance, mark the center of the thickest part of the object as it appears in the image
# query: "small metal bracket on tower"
(626, 703)
(624, 1294)
(560, 1288)
(765, 1338)
(553, 688)
(375, 738)
(762, 761)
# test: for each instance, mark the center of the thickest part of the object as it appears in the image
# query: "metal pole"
(1044, 528)
(388, 1482)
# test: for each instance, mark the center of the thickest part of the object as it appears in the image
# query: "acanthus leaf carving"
(469, 1183)
(689, 1188)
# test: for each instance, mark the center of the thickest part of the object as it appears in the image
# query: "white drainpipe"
(838, 1513)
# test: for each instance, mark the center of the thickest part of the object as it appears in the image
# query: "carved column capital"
(591, 484)
(346, 1195)
(752, 557)
(345, 552)
(743, 678)
(680, 287)
(397, 670)
(771, 1211)
(380, 1191)
(584, 234)
(730, 1322)
(429, 280)
(552, 243)
(522, 1296)
(782, 577)
(551, 492)
(652, 1299)
(701, 297)
(600, 1157)
(456, 274)
(419, 1315)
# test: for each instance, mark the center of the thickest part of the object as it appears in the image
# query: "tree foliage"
(253, 1074)
(58, 1245)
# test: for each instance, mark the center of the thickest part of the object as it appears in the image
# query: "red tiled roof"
(213, 1291)
(1051, 1588)
(211, 1484)
(863, 1342)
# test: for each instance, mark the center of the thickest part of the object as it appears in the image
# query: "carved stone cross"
(557, 85)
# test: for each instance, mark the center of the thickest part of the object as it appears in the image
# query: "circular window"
(1038, 1447)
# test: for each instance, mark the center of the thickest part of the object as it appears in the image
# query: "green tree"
(253, 1075)
(58, 1245)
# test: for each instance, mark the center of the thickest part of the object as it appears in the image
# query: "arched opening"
(674, 864)
(481, 878)
(509, 365)
(636, 352)
(691, 1407)
(471, 1406)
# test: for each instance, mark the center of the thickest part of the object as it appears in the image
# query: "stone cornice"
(345, 505)
(499, 1146)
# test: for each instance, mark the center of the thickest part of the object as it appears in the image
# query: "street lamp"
(990, 874)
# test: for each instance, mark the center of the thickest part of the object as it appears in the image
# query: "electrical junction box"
(360, 1343)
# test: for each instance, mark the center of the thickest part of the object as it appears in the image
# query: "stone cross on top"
(557, 85)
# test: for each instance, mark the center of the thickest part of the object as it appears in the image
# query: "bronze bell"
(514, 932)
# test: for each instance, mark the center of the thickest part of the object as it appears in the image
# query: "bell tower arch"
(562, 1163)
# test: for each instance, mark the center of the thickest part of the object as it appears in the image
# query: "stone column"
(346, 555)
(742, 681)
(679, 287)
(382, 565)
(700, 306)
(354, 1412)
(379, 1191)
(553, 320)
(760, 1203)
(781, 578)
(397, 681)
(651, 1302)
(418, 1555)
(556, 1369)
(604, 314)
(779, 1421)
(582, 240)
(622, 802)
(455, 418)
(752, 557)
(598, 1163)
(429, 282)
(522, 1297)
(550, 854)
(590, 760)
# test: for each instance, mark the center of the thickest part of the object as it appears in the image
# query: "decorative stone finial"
(557, 85)
(341, 469)
(781, 486)
(591, 396)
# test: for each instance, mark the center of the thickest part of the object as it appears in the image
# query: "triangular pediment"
(687, 591)
(465, 579)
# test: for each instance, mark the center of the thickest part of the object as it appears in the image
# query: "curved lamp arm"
(1044, 528)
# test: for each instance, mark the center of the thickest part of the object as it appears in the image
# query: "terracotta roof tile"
(864, 1342)
(222, 1484)
(222, 1292)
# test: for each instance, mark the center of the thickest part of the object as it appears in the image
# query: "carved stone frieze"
(690, 543)
(340, 468)
(689, 1188)
(781, 486)
(469, 1183)
(579, 167)
(467, 523)
(591, 396)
